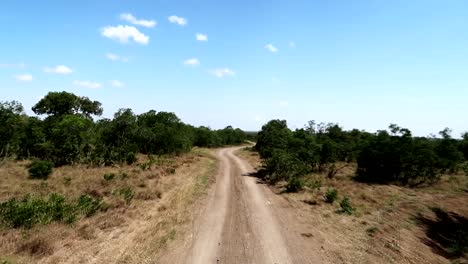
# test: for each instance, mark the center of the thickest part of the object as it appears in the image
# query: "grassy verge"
(146, 202)
(176, 213)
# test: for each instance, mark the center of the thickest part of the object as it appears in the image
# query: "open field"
(390, 224)
(133, 226)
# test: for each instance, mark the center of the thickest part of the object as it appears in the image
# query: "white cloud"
(141, 22)
(192, 62)
(284, 103)
(292, 44)
(59, 69)
(20, 65)
(124, 33)
(222, 72)
(112, 56)
(201, 37)
(87, 84)
(116, 83)
(178, 20)
(24, 77)
(115, 57)
(271, 48)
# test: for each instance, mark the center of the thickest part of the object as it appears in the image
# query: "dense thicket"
(68, 134)
(393, 156)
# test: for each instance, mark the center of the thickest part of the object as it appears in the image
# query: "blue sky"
(363, 64)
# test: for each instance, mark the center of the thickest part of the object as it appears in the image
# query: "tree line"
(387, 156)
(69, 135)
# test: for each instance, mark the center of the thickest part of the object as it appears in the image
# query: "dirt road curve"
(244, 222)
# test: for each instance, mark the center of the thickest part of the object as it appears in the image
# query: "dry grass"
(388, 223)
(164, 193)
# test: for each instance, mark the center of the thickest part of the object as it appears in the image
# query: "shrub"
(35, 210)
(372, 230)
(123, 176)
(282, 166)
(109, 176)
(59, 209)
(145, 166)
(346, 207)
(40, 169)
(459, 243)
(88, 206)
(465, 168)
(131, 158)
(37, 246)
(331, 195)
(314, 184)
(67, 181)
(294, 184)
(127, 194)
(170, 170)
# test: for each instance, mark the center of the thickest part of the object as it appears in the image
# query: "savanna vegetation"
(393, 156)
(68, 134)
(383, 197)
(66, 175)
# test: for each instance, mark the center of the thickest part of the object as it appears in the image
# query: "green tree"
(68, 138)
(275, 135)
(449, 157)
(205, 137)
(33, 139)
(116, 137)
(283, 166)
(304, 145)
(64, 103)
(397, 158)
(12, 120)
(463, 147)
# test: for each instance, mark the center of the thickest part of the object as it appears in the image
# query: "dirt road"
(244, 222)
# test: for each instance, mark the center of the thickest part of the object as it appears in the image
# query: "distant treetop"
(64, 103)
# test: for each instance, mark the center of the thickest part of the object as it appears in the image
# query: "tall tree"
(11, 120)
(59, 104)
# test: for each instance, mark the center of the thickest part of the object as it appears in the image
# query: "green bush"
(402, 159)
(109, 176)
(145, 166)
(127, 194)
(283, 166)
(88, 206)
(131, 158)
(331, 195)
(346, 207)
(314, 184)
(465, 168)
(40, 169)
(32, 210)
(294, 184)
(35, 210)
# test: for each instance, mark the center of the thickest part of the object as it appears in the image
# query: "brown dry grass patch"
(172, 182)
